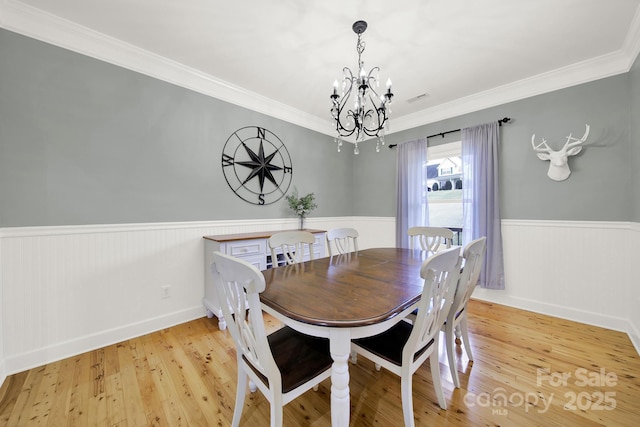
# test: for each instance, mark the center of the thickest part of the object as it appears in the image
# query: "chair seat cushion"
(299, 357)
(389, 344)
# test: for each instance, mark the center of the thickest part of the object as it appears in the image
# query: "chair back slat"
(430, 238)
(440, 273)
(282, 365)
(240, 286)
(344, 239)
(473, 258)
(292, 246)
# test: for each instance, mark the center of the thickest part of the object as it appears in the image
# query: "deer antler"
(542, 147)
(577, 141)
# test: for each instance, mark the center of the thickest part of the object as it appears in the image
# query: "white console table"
(251, 247)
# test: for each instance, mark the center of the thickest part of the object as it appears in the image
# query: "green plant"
(301, 205)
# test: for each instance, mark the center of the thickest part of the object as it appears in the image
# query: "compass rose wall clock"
(256, 165)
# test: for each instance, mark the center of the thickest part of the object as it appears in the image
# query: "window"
(446, 171)
(444, 185)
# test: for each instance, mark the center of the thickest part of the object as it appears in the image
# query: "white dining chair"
(406, 346)
(456, 323)
(282, 365)
(430, 238)
(291, 244)
(344, 239)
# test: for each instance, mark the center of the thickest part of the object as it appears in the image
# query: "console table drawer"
(246, 248)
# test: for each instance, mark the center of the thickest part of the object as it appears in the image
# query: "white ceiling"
(282, 56)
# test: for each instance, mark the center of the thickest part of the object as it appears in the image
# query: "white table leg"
(340, 345)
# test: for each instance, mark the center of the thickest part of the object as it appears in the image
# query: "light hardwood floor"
(529, 370)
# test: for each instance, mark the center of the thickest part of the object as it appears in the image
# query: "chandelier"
(370, 113)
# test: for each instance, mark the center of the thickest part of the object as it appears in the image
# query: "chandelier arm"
(379, 113)
(370, 76)
(341, 128)
(381, 119)
(344, 131)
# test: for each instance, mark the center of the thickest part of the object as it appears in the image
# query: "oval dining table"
(345, 297)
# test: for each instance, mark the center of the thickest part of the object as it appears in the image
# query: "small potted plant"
(301, 205)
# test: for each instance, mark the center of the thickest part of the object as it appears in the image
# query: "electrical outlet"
(165, 291)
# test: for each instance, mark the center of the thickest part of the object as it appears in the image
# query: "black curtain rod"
(442, 134)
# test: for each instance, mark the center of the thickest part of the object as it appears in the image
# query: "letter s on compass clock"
(257, 165)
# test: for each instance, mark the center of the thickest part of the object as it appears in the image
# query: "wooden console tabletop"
(255, 235)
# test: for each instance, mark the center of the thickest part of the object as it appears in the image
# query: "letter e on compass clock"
(257, 165)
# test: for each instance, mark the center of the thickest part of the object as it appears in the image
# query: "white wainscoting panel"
(574, 270)
(67, 290)
(3, 365)
(375, 232)
(634, 283)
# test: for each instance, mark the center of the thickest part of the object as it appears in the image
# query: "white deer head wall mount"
(559, 160)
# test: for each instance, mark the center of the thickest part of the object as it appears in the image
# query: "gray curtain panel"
(481, 198)
(411, 207)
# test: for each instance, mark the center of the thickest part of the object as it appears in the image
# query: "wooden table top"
(349, 290)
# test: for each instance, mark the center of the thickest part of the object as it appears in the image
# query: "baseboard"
(634, 336)
(3, 372)
(589, 318)
(22, 362)
(635, 340)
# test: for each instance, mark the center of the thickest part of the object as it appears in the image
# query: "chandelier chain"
(360, 45)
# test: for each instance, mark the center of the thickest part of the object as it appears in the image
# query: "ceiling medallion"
(370, 112)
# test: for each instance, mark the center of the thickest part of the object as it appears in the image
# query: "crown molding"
(589, 70)
(40, 25)
(35, 23)
(631, 45)
(575, 74)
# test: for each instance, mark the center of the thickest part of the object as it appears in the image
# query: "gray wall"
(599, 187)
(86, 142)
(634, 78)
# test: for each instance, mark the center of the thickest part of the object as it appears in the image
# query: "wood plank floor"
(529, 370)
